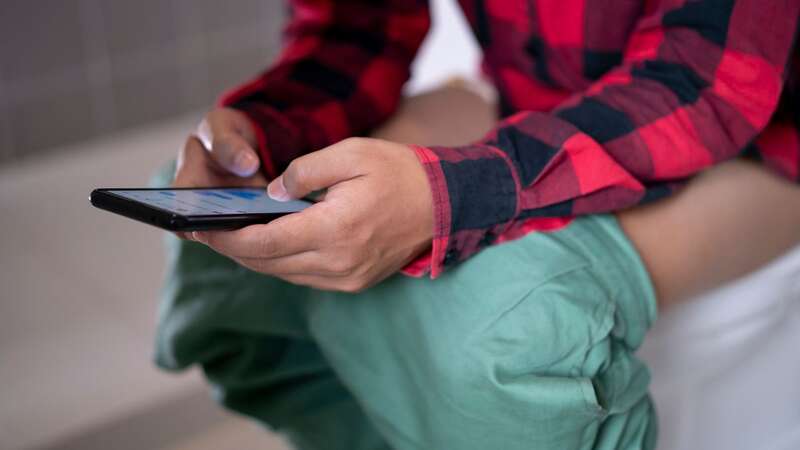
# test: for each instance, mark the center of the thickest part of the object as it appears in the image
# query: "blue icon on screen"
(214, 194)
(246, 195)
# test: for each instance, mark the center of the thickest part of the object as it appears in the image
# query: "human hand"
(376, 216)
(220, 154)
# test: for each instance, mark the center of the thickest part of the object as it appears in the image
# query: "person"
(451, 291)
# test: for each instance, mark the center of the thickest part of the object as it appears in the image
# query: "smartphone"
(195, 209)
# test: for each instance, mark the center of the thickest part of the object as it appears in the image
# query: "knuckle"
(214, 115)
(252, 266)
(356, 236)
(353, 141)
(215, 127)
(297, 168)
(339, 267)
(187, 145)
(236, 120)
(184, 151)
(190, 140)
(340, 230)
(363, 236)
(295, 173)
(265, 246)
(354, 286)
(357, 145)
(345, 264)
(346, 227)
(339, 233)
(217, 117)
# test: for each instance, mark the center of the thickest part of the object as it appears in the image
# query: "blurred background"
(101, 93)
(76, 69)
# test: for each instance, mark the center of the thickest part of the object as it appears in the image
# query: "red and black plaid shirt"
(606, 104)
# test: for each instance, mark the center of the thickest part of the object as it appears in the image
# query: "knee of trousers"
(556, 364)
(549, 369)
(212, 310)
(245, 333)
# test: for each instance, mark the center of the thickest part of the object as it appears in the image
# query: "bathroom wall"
(75, 69)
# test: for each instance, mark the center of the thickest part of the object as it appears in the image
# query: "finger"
(306, 263)
(285, 236)
(185, 235)
(313, 281)
(337, 284)
(315, 171)
(228, 143)
(191, 163)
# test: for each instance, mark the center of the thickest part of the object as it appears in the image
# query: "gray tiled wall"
(74, 69)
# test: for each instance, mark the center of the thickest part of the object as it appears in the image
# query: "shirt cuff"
(475, 190)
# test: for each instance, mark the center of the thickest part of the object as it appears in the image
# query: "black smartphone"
(195, 209)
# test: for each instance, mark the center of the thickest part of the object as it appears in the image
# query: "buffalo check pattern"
(605, 104)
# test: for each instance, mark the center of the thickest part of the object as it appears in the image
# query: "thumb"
(312, 172)
(234, 153)
(224, 134)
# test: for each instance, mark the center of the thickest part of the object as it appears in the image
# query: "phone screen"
(207, 202)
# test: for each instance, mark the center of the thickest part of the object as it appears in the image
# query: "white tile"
(62, 114)
(38, 38)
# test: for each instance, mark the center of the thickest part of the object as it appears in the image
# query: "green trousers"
(526, 345)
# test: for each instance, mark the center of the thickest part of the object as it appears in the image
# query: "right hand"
(221, 153)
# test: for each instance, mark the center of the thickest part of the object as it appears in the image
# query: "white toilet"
(726, 367)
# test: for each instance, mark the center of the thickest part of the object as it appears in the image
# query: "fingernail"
(245, 164)
(277, 191)
(198, 236)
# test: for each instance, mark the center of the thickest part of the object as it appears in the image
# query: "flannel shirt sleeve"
(340, 74)
(699, 80)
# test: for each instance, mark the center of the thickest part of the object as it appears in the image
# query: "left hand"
(376, 216)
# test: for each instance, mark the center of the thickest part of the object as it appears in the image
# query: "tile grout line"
(37, 87)
(98, 66)
(6, 132)
(193, 70)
